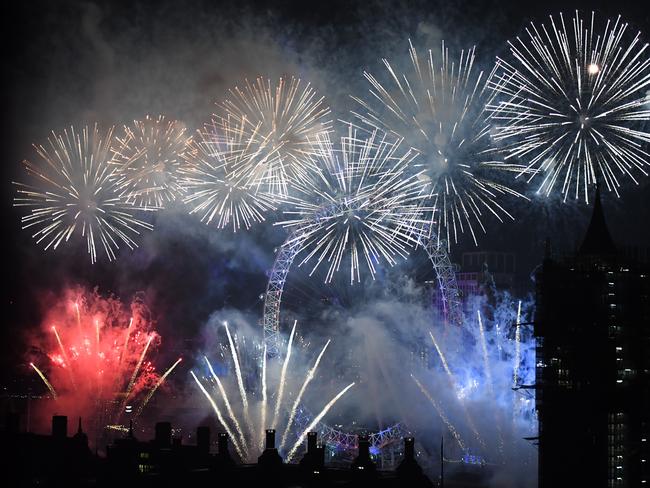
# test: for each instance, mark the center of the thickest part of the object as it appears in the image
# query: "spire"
(598, 241)
(80, 438)
(130, 429)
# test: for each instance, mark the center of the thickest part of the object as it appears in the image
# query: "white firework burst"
(73, 191)
(574, 105)
(148, 157)
(214, 190)
(438, 108)
(281, 123)
(364, 207)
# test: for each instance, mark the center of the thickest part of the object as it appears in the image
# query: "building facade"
(593, 366)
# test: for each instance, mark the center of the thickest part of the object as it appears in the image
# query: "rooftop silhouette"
(59, 460)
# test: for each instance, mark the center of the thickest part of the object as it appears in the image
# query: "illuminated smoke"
(95, 352)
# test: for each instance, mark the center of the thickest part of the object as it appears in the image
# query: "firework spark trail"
(219, 416)
(574, 105)
(488, 375)
(235, 358)
(283, 377)
(279, 125)
(294, 407)
(441, 413)
(226, 402)
(97, 334)
(366, 206)
(98, 352)
(89, 367)
(160, 381)
(214, 190)
(47, 383)
(136, 370)
(264, 400)
(253, 436)
(123, 352)
(315, 422)
(64, 354)
(515, 369)
(454, 385)
(126, 342)
(76, 306)
(475, 354)
(439, 111)
(443, 359)
(240, 381)
(486, 356)
(65, 357)
(517, 360)
(72, 190)
(147, 159)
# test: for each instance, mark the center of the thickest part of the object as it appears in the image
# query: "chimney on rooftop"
(203, 439)
(270, 438)
(409, 448)
(312, 438)
(364, 449)
(363, 461)
(409, 471)
(222, 444)
(314, 458)
(270, 459)
(164, 434)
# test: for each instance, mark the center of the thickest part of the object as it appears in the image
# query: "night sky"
(79, 62)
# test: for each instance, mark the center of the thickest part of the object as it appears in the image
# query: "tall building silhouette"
(593, 365)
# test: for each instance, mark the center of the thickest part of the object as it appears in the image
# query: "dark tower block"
(593, 365)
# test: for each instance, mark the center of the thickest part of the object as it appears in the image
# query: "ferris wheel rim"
(436, 250)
